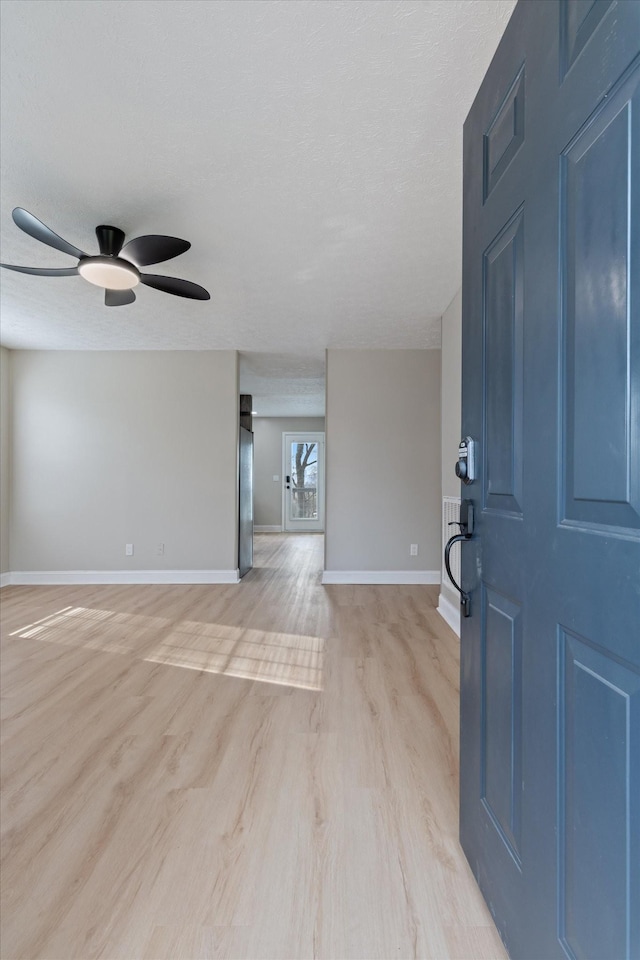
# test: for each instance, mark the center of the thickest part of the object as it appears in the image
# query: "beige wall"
(124, 447)
(5, 454)
(383, 460)
(451, 394)
(449, 603)
(267, 463)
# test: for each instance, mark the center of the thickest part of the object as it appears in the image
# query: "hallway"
(266, 770)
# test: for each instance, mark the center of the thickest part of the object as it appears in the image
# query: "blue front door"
(550, 655)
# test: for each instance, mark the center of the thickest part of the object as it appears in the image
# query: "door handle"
(465, 599)
(466, 532)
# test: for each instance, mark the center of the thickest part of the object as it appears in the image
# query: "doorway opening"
(288, 399)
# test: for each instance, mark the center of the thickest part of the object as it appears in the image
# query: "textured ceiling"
(309, 150)
(284, 384)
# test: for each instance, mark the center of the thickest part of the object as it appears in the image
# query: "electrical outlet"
(128, 549)
(276, 478)
(413, 550)
(160, 550)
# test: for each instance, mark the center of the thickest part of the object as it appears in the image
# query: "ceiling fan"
(116, 269)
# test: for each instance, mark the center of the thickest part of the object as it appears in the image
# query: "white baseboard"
(381, 576)
(62, 577)
(5, 580)
(261, 528)
(450, 612)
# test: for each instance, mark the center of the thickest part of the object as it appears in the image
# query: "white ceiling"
(284, 384)
(310, 150)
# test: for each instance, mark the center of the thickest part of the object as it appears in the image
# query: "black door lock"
(466, 532)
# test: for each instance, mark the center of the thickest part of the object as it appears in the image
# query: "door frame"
(300, 436)
(245, 499)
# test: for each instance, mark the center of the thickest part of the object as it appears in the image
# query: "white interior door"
(303, 486)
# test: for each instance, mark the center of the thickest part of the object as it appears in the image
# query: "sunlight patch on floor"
(248, 654)
(282, 658)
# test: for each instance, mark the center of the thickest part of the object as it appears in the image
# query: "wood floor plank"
(263, 770)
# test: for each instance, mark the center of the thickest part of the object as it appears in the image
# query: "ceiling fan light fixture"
(111, 273)
(116, 275)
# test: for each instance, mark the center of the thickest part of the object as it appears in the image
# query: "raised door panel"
(505, 135)
(599, 816)
(578, 22)
(501, 765)
(601, 328)
(503, 368)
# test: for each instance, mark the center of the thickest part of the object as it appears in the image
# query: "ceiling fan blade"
(154, 248)
(43, 271)
(36, 229)
(118, 298)
(180, 288)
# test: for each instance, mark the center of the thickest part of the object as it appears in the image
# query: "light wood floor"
(263, 770)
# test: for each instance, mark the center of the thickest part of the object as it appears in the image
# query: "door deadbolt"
(466, 466)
